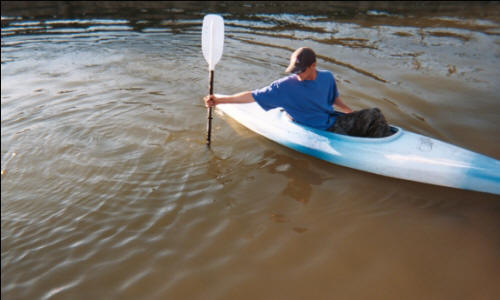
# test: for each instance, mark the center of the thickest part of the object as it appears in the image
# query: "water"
(109, 192)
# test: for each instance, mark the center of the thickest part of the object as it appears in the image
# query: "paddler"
(310, 96)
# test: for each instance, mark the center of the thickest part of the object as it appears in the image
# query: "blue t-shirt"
(308, 102)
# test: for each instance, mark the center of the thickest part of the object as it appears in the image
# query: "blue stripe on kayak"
(487, 171)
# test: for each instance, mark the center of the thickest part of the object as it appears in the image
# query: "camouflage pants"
(364, 123)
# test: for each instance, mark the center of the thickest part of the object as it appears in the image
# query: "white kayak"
(403, 155)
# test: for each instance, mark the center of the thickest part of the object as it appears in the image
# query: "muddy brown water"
(108, 191)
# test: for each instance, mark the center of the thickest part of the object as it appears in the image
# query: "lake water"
(109, 192)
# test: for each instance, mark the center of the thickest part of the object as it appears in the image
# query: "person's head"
(300, 60)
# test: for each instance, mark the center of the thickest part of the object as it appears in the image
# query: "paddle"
(212, 43)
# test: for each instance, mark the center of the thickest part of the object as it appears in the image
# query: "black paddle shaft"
(211, 92)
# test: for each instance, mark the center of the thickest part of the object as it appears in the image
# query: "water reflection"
(33, 17)
(300, 177)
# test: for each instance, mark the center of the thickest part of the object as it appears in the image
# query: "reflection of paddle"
(212, 42)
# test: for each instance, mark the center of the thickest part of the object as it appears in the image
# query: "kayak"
(404, 154)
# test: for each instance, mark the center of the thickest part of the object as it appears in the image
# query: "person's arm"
(243, 97)
(340, 105)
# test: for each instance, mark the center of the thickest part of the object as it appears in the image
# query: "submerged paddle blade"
(212, 39)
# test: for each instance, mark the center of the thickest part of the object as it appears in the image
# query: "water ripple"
(108, 190)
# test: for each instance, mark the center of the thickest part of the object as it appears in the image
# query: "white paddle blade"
(212, 39)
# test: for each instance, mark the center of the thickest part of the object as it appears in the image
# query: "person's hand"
(209, 101)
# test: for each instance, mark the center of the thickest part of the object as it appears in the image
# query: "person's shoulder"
(324, 73)
(290, 79)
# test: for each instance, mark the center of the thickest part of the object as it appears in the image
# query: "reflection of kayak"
(404, 155)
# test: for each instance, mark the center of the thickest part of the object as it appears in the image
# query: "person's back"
(308, 102)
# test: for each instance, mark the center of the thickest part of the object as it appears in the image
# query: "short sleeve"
(335, 91)
(268, 97)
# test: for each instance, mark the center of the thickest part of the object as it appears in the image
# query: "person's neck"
(307, 75)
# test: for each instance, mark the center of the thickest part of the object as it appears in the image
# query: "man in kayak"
(309, 96)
